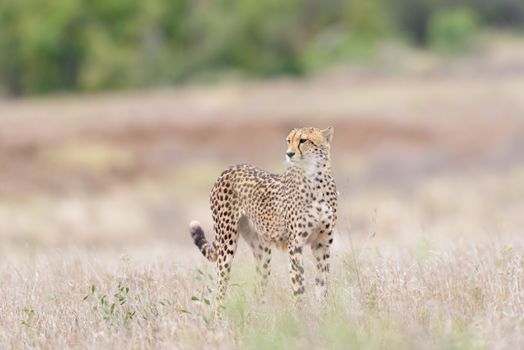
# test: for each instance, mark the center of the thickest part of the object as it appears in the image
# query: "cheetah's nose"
(290, 154)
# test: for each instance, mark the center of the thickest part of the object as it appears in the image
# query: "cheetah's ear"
(328, 133)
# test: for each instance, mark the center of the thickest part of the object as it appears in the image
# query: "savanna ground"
(96, 193)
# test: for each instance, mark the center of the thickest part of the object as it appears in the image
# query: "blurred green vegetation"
(60, 45)
(452, 31)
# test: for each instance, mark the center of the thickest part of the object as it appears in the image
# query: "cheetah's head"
(307, 144)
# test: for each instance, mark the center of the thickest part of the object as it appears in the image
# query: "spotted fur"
(289, 210)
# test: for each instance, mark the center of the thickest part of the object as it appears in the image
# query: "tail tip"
(194, 225)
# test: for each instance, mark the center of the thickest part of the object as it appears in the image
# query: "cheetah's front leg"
(321, 251)
(296, 268)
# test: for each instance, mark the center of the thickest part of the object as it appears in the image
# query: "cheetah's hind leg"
(261, 253)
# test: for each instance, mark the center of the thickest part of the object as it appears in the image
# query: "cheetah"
(289, 211)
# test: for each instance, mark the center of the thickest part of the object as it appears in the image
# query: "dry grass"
(441, 268)
(465, 296)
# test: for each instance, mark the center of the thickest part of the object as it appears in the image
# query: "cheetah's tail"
(207, 249)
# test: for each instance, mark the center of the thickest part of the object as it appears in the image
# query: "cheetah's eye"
(288, 140)
(302, 140)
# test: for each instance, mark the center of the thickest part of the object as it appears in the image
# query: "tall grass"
(466, 296)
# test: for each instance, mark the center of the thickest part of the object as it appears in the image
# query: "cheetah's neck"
(317, 167)
(313, 169)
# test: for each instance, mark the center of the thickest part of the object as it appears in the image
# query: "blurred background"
(116, 116)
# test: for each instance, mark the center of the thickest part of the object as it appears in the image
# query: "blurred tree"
(412, 18)
(501, 13)
(41, 50)
(356, 26)
(451, 31)
(50, 45)
(11, 66)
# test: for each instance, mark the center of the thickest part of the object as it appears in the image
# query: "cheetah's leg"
(296, 269)
(261, 253)
(226, 252)
(321, 251)
(301, 232)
